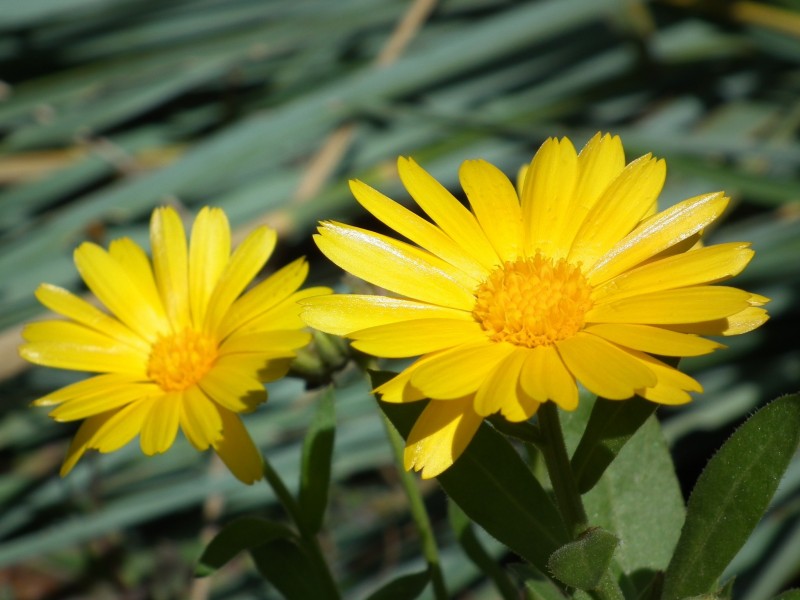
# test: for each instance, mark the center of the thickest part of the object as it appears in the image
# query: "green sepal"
(494, 487)
(315, 473)
(241, 534)
(406, 587)
(581, 564)
(611, 425)
(286, 564)
(731, 495)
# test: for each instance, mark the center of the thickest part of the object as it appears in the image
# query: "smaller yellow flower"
(572, 277)
(182, 346)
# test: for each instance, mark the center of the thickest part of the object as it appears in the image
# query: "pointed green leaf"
(610, 426)
(287, 566)
(406, 587)
(731, 495)
(495, 488)
(315, 474)
(242, 534)
(581, 564)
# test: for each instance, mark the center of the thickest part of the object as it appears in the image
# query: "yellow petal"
(71, 306)
(447, 212)
(136, 263)
(171, 264)
(496, 206)
(459, 371)
(423, 233)
(237, 450)
(104, 400)
(544, 376)
(742, 322)
(547, 197)
(270, 292)
(199, 419)
(399, 388)
(99, 357)
(655, 340)
(233, 386)
(112, 285)
(412, 338)
(122, 426)
(80, 443)
(209, 252)
(274, 343)
(286, 314)
(440, 435)
(684, 305)
(246, 261)
(341, 314)
(620, 208)
(396, 266)
(672, 387)
(160, 426)
(666, 229)
(87, 387)
(711, 264)
(604, 368)
(500, 391)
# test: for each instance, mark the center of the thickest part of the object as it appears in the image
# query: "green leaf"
(287, 566)
(581, 564)
(610, 426)
(242, 534)
(406, 587)
(789, 595)
(731, 495)
(495, 488)
(315, 473)
(537, 585)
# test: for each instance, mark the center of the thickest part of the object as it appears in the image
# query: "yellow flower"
(510, 303)
(180, 348)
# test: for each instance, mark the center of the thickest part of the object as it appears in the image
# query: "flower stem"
(308, 537)
(558, 467)
(419, 514)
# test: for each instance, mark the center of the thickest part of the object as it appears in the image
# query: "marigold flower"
(574, 279)
(180, 348)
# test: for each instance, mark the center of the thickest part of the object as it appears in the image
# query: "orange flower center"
(180, 360)
(533, 301)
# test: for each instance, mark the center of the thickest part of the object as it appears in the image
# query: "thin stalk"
(608, 589)
(418, 513)
(558, 467)
(308, 537)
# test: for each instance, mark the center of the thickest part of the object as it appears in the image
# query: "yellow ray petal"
(398, 267)
(75, 334)
(86, 387)
(672, 387)
(209, 252)
(286, 314)
(423, 233)
(160, 426)
(459, 371)
(412, 338)
(655, 340)
(341, 314)
(742, 322)
(80, 443)
(604, 368)
(71, 306)
(245, 263)
(97, 358)
(137, 264)
(620, 208)
(547, 197)
(276, 343)
(544, 376)
(440, 435)
(122, 426)
(668, 228)
(499, 391)
(399, 388)
(270, 292)
(237, 450)
(233, 386)
(496, 206)
(101, 401)
(684, 305)
(199, 419)
(112, 285)
(447, 212)
(171, 264)
(707, 265)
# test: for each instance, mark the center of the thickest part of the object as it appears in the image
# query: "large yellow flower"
(512, 302)
(180, 348)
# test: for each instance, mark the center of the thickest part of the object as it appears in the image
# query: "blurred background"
(109, 108)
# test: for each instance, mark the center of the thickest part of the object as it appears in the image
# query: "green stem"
(418, 512)
(558, 467)
(308, 537)
(608, 589)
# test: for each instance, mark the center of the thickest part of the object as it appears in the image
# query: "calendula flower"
(181, 347)
(512, 301)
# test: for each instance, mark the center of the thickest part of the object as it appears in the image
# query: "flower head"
(514, 300)
(181, 347)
